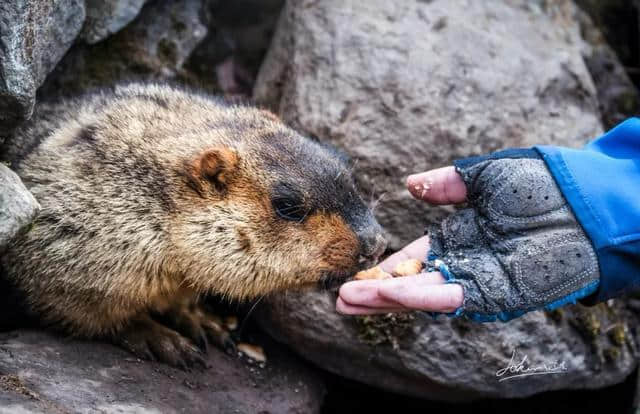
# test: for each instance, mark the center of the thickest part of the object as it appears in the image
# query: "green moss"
(556, 315)
(389, 328)
(628, 103)
(603, 329)
(587, 323)
(611, 354)
(618, 335)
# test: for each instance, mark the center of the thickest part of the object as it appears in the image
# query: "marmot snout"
(152, 196)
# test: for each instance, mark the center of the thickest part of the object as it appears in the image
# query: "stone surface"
(210, 45)
(408, 86)
(104, 18)
(455, 359)
(617, 95)
(236, 44)
(18, 207)
(43, 373)
(154, 46)
(619, 21)
(34, 35)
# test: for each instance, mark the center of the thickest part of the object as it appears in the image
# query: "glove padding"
(518, 247)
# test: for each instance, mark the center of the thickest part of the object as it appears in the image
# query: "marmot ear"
(212, 167)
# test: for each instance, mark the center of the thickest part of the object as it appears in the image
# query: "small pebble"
(231, 323)
(407, 268)
(373, 273)
(254, 352)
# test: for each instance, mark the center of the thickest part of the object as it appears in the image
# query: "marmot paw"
(148, 339)
(202, 327)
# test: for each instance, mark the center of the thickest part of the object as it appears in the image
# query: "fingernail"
(412, 177)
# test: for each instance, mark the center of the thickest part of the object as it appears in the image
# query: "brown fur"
(152, 196)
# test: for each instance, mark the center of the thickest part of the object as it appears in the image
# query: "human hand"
(426, 291)
(516, 248)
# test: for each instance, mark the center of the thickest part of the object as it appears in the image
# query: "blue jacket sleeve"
(601, 182)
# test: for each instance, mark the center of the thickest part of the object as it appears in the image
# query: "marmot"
(152, 196)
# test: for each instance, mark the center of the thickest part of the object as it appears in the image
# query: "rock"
(40, 372)
(104, 18)
(455, 359)
(18, 207)
(154, 46)
(34, 36)
(617, 94)
(619, 22)
(237, 45)
(408, 86)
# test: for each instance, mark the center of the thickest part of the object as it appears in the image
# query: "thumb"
(439, 186)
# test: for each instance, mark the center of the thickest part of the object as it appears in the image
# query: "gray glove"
(518, 247)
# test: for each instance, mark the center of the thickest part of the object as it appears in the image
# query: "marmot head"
(264, 208)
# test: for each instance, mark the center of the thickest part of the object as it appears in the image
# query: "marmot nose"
(372, 247)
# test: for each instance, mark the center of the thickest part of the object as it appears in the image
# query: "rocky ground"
(400, 87)
(41, 372)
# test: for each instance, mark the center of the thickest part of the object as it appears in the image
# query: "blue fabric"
(507, 153)
(601, 182)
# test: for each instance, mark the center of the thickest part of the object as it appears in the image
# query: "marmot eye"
(290, 209)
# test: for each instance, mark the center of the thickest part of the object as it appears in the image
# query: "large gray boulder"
(154, 46)
(239, 36)
(104, 18)
(210, 45)
(408, 86)
(18, 207)
(617, 95)
(34, 35)
(455, 359)
(43, 373)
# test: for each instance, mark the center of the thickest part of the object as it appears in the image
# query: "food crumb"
(408, 267)
(231, 323)
(373, 273)
(254, 352)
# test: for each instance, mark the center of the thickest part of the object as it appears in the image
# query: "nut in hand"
(373, 273)
(407, 268)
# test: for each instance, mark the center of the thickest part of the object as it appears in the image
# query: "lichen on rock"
(386, 329)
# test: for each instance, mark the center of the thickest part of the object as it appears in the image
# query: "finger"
(347, 309)
(439, 186)
(366, 292)
(417, 249)
(435, 298)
